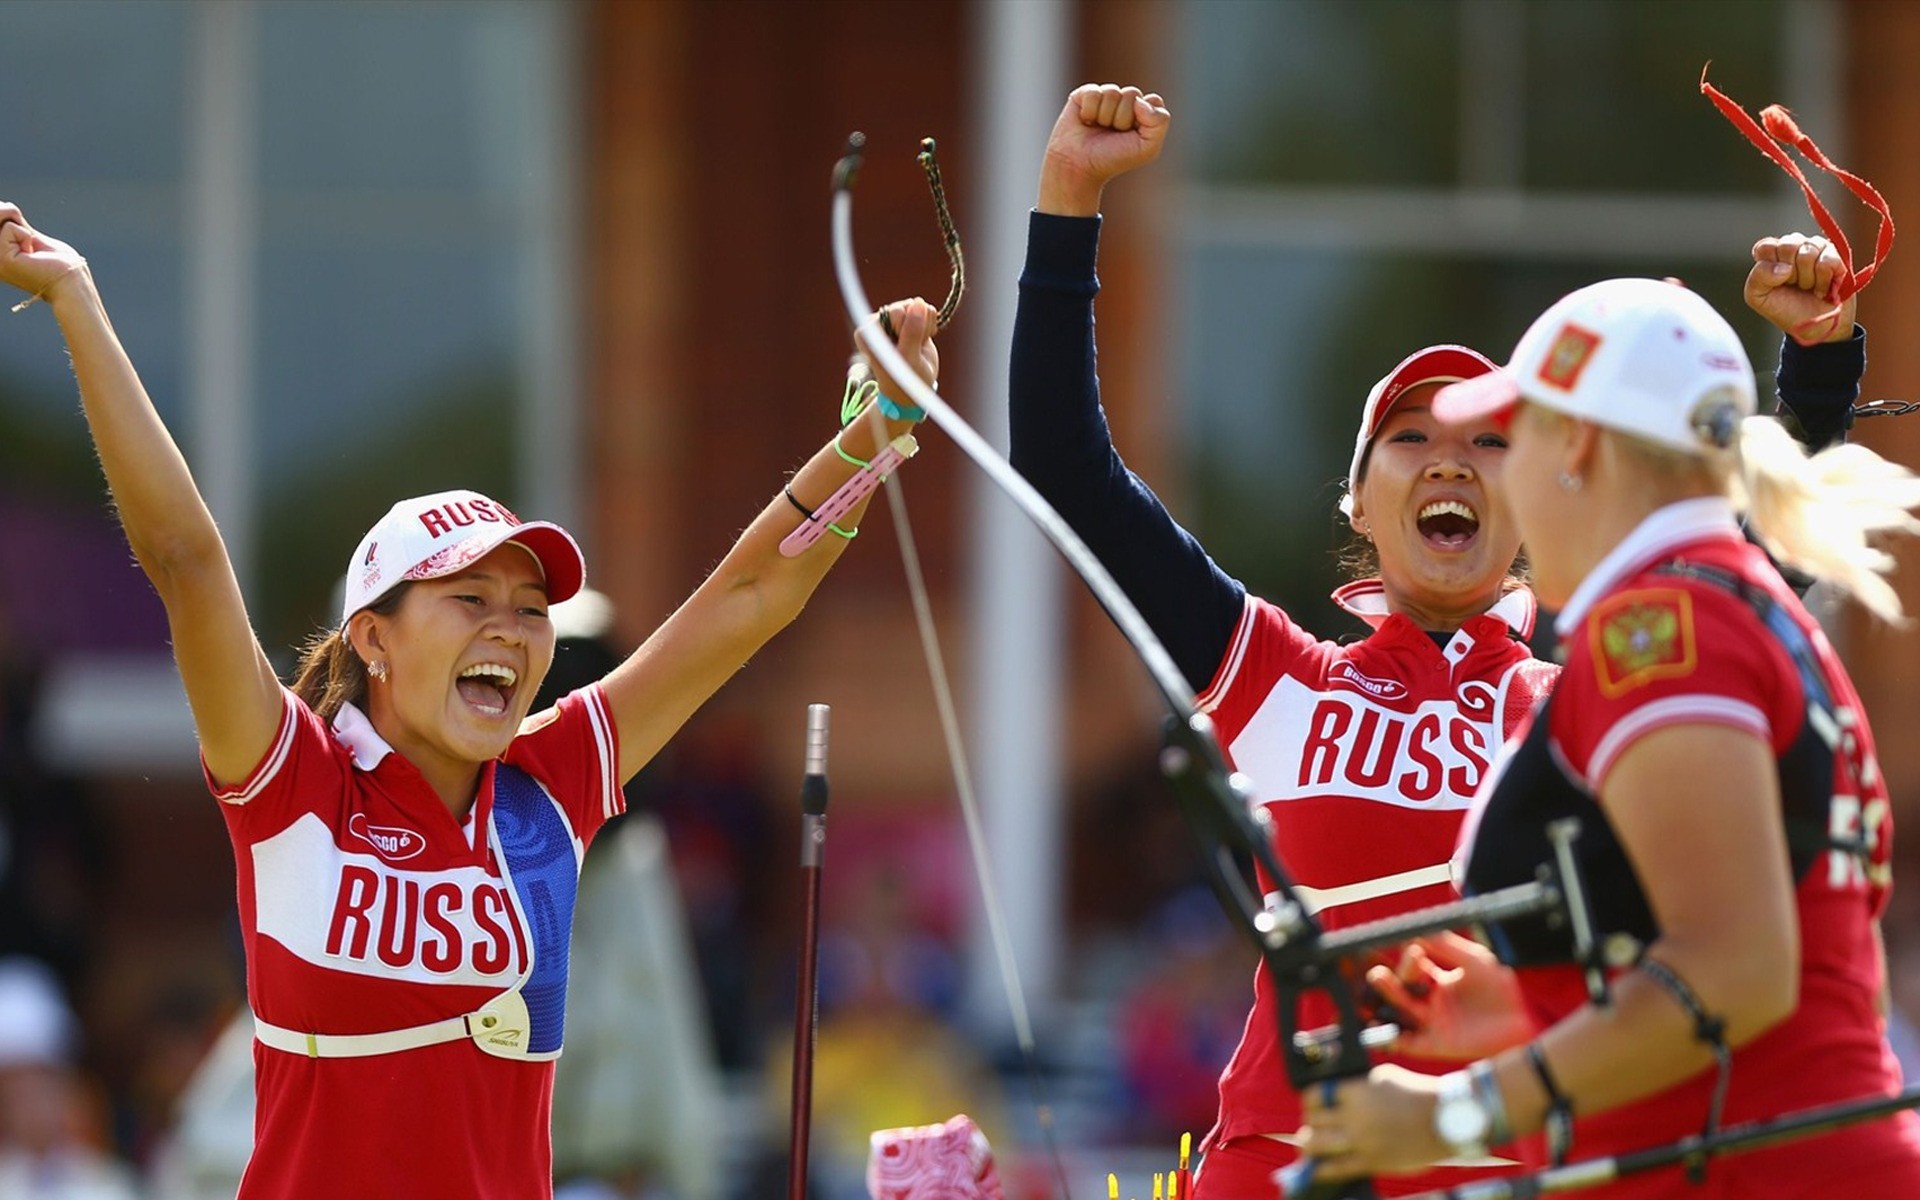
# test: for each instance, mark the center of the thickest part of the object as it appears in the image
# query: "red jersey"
(1687, 623)
(366, 908)
(1366, 756)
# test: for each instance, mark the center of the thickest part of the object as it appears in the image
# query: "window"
(1368, 178)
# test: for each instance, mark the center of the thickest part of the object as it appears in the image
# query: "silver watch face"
(1461, 1121)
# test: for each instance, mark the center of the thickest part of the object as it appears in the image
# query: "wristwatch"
(1460, 1117)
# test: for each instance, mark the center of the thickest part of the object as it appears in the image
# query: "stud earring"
(1569, 482)
(378, 670)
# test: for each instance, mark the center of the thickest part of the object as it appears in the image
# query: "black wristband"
(804, 510)
(1559, 1108)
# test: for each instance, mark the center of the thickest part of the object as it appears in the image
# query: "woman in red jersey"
(1365, 753)
(1734, 824)
(407, 839)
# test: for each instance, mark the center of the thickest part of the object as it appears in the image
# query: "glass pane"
(93, 156)
(384, 371)
(372, 96)
(1319, 91)
(43, 439)
(393, 148)
(1273, 380)
(93, 91)
(1613, 98)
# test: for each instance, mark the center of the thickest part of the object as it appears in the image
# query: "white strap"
(500, 1027)
(359, 1045)
(1321, 899)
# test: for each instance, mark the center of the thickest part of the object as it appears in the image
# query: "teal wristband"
(897, 411)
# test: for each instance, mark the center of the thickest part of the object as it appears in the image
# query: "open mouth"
(487, 687)
(1448, 524)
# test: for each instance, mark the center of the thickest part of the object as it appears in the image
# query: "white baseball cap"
(430, 536)
(1643, 356)
(1435, 364)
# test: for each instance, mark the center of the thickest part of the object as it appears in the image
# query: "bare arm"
(755, 591)
(229, 683)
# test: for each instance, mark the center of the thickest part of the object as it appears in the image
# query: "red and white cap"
(1435, 364)
(1643, 356)
(430, 536)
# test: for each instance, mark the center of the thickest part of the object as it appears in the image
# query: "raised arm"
(1058, 431)
(755, 591)
(229, 683)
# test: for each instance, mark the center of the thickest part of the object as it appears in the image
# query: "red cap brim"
(559, 556)
(1474, 399)
(1434, 364)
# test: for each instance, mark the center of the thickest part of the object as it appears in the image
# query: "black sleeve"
(1060, 441)
(1817, 387)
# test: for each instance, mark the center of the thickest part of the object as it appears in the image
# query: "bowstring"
(943, 694)
(929, 161)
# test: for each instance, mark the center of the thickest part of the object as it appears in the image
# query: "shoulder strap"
(1805, 837)
(542, 872)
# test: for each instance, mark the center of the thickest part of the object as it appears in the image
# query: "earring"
(1569, 482)
(378, 669)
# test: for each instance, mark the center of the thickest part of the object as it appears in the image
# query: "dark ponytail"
(330, 673)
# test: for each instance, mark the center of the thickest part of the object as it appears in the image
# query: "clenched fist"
(1105, 130)
(1792, 284)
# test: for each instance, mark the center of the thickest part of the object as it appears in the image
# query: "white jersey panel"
(1306, 743)
(356, 912)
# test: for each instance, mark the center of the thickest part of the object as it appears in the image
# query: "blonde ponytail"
(1820, 514)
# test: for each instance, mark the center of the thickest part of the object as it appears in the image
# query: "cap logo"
(460, 513)
(1572, 350)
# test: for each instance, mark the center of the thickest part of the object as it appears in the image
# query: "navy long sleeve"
(1817, 387)
(1060, 442)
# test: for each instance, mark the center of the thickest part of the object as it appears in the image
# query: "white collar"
(1671, 525)
(1367, 599)
(352, 730)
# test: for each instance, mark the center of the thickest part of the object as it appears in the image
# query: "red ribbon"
(1779, 127)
